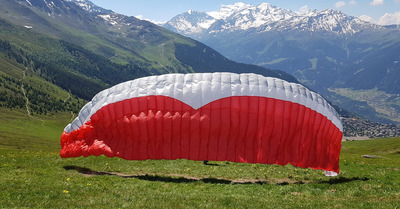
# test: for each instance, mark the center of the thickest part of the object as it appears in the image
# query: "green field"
(32, 175)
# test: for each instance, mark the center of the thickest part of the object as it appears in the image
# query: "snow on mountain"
(112, 19)
(109, 16)
(264, 17)
(192, 22)
(90, 7)
(323, 49)
(59, 7)
(227, 10)
(244, 16)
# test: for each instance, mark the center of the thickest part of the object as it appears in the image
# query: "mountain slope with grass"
(121, 39)
(49, 74)
(55, 52)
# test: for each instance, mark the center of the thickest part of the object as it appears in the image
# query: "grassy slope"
(33, 175)
(18, 72)
(122, 44)
(14, 70)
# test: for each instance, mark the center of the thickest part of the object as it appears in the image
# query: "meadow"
(32, 175)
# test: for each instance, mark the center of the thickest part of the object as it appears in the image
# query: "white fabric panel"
(330, 173)
(199, 89)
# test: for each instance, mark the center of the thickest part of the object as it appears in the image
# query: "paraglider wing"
(208, 116)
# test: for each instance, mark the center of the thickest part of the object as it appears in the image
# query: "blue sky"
(378, 11)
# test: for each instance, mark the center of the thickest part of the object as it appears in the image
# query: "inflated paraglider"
(209, 116)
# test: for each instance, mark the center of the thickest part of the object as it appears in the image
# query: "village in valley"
(360, 127)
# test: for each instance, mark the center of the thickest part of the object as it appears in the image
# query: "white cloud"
(398, 1)
(367, 18)
(377, 2)
(354, 2)
(390, 19)
(305, 9)
(340, 4)
(386, 19)
(140, 17)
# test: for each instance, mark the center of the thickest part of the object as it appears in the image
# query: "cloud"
(367, 18)
(354, 2)
(376, 2)
(305, 9)
(386, 19)
(340, 4)
(140, 17)
(389, 19)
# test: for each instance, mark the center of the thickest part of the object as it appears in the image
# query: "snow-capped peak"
(227, 10)
(264, 17)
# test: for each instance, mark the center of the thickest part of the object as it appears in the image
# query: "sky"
(383, 12)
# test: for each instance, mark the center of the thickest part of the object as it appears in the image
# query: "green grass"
(34, 176)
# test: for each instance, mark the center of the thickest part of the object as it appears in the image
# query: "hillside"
(64, 52)
(121, 39)
(326, 50)
(50, 74)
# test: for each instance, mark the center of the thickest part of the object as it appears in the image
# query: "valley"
(383, 103)
(324, 50)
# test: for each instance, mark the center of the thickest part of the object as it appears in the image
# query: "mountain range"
(54, 54)
(354, 63)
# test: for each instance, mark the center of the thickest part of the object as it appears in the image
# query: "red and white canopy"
(209, 116)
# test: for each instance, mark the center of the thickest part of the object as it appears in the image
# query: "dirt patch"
(371, 156)
(183, 178)
(357, 138)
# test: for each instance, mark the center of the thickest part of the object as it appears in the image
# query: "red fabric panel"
(136, 135)
(185, 135)
(151, 128)
(225, 126)
(144, 138)
(158, 131)
(194, 147)
(234, 128)
(238, 129)
(205, 123)
(176, 144)
(284, 153)
(215, 127)
(276, 128)
(243, 121)
(258, 141)
(167, 136)
(294, 133)
(127, 150)
(251, 132)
